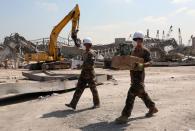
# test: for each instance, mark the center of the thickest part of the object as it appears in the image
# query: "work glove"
(138, 66)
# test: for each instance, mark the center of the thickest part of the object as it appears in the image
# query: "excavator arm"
(74, 15)
(52, 59)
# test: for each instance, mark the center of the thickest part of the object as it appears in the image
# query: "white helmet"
(87, 40)
(138, 34)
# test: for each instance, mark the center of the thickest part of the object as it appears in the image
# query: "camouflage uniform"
(137, 84)
(87, 77)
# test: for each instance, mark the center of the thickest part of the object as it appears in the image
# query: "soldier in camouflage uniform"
(87, 77)
(137, 82)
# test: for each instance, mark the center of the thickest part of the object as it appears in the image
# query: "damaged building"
(162, 50)
(12, 50)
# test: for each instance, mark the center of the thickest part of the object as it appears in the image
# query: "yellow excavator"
(53, 59)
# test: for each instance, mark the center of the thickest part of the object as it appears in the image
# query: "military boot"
(151, 111)
(121, 120)
(71, 106)
(96, 106)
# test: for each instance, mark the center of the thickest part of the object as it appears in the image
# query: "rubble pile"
(168, 50)
(13, 48)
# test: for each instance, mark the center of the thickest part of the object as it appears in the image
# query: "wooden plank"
(125, 62)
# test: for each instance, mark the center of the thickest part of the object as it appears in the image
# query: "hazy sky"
(103, 20)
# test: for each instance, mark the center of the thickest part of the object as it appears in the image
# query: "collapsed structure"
(13, 49)
(162, 50)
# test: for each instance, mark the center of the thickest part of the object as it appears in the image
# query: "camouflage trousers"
(81, 85)
(136, 89)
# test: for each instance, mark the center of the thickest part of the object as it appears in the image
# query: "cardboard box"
(125, 62)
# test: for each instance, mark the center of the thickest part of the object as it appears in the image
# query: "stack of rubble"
(13, 49)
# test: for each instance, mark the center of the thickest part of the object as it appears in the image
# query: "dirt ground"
(171, 88)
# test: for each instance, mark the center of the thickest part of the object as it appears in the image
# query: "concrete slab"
(56, 85)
